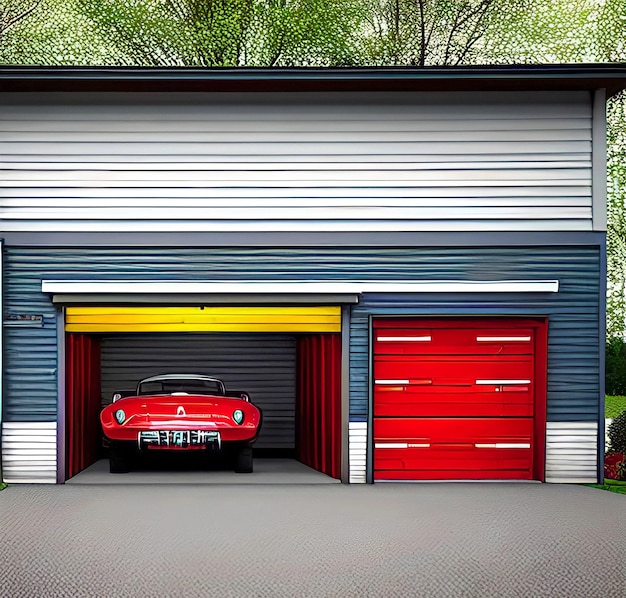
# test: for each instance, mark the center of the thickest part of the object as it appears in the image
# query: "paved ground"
(266, 471)
(388, 540)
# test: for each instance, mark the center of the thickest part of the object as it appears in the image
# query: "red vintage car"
(180, 412)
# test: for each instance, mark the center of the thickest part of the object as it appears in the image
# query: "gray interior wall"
(264, 365)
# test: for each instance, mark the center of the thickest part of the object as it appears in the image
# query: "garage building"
(404, 267)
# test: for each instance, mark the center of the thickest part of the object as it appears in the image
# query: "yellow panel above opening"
(203, 319)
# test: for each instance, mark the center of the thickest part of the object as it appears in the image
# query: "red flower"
(614, 466)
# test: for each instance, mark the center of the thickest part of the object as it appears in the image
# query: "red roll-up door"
(459, 399)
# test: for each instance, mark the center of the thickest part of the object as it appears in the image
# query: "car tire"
(119, 459)
(244, 460)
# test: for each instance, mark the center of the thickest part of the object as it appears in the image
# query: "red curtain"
(318, 408)
(82, 392)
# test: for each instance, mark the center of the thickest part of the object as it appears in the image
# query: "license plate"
(179, 438)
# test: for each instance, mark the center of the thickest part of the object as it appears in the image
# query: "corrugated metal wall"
(573, 333)
(262, 364)
(318, 410)
(573, 356)
(296, 162)
(83, 432)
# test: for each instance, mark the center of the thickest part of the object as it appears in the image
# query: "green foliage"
(56, 33)
(205, 33)
(614, 405)
(617, 434)
(616, 217)
(557, 31)
(429, 32)
(2, 485)
(615, 367)
(14, 11)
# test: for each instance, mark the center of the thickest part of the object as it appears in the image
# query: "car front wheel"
(119, 459)
(244, 460)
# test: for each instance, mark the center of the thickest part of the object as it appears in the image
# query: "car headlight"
(120, 416)
(238, 416)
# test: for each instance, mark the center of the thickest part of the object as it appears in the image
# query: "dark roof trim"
(611, 77)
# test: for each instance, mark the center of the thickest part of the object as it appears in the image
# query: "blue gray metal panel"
(320, 238)
(574, 367)
(574, 312)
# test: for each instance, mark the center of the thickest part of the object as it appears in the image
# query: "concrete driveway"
(431, 540)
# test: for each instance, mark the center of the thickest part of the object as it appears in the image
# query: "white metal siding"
(357, 442)
(572, 452)
(296, 162)
(29, 452)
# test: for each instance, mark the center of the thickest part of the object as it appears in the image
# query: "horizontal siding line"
(417, 122)
(131, 226)
(498, 163)
(258, 196)
(234, 148)
(45, 427)
(317, 132)
(285, 107)
(285, 101)
(539, 154)
(308, 213)
(507, 177)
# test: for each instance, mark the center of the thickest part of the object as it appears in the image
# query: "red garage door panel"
(457, 399)
(424, 401)
(463, 386)
(431, 341)
(453, 448)
(461, 370)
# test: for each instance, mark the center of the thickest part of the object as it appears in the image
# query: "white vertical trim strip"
(358, 452)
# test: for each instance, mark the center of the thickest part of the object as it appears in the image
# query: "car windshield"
(187, 385)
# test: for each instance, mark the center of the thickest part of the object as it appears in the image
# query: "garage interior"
(285, 358)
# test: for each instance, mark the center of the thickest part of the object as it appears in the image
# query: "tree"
(14, 11)
(430, 32)
(227, 33)
(616, 217)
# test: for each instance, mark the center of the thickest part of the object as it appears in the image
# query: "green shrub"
(615, 378)
(613, 406)
(617, 434)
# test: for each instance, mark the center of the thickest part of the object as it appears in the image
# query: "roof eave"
(611, 77)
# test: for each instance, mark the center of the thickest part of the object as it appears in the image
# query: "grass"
(611, 486)
(613, 406)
